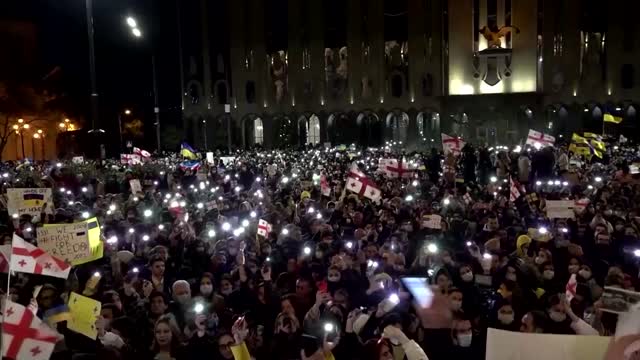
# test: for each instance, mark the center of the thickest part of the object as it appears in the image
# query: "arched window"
(313, 130)
(258, 131)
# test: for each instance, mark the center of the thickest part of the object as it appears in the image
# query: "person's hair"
(108, 296)
(114, 309)
(206, 275)
(170, 321)
(154, 259)
(155, 293)
(178, 282)
(539, 319)
(373, 347)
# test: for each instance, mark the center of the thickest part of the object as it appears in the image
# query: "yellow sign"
(84, 314)
(96, 246)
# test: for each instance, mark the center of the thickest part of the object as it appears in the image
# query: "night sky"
(123, 62)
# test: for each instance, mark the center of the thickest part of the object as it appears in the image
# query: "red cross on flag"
(29, 259)
(143, 153)
(325, 189)
(264, 228)
(397, 169)
(539, 140)
(5, 256)
(24, 336)
(514, 192)
(358, 182)
(452, 144)
(570, 289)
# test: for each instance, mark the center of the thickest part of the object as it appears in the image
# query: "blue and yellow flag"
(57, 314)
(187, 151)
(581, 146)
(608, 117)
(596, 141)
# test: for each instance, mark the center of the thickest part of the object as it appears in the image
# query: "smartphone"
(419, 288)
(322, 286)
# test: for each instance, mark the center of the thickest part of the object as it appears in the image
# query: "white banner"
(136, 187)
(67, 242)
(432, 221)
(29, 201)
(507, 345)
(560, 209)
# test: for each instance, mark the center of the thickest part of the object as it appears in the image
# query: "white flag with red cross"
(24, 335)
(452, 144)
(514, 192)
(30, 259)
(264, 228)
(394, 168)
(325, 189)
(143, 153)
(539, 140)
(359, 183)
(571, 287)
(5, 258)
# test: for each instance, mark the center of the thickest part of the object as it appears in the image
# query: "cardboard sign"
(432, 221)
(68, 242)
(29, 201)
(78, 159)
(135, 186)
(507, 345)
(84, 313)
(210, 158)
(560, 209)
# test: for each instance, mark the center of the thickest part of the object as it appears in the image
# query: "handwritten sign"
(68, 242)
(135, 186)
(210, 158)
(29, 201)
(84, 313)
(432, 221)
(560, 209)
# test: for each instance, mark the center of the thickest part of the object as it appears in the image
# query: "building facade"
(282, 73)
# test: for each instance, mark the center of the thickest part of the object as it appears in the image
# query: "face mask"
(548, 274)
(505, 318)
(456, 305)
(464, 340)
(447, 260)
(586, 274)
(467, 277)
(183, 299)
(206, 290)
(589, 317)
(333, 278)
(407, 228)
(539, 260)
(226, 291)
(511, 276)
(557, 316)
(608, 212)
(232, 251)
(319, 254)
(573, 269)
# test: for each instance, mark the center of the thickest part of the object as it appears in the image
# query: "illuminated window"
(258, 131)
(313, 130)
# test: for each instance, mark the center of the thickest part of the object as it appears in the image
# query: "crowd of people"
(252, 259)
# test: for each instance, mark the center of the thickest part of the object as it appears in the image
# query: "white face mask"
(539, 260)
(557, 316)
(206, 290)
(467, 277)
(333, 278)
(226, 291)
(585, 274)
(505, 318)
(511, 276)
(456, 305)
(464, 340)
(548, 274)
(573, 269)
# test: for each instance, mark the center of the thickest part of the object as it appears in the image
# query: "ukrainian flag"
(57, 314)
(608, 117)
(33, 200)
(581, 146)
(187, 151)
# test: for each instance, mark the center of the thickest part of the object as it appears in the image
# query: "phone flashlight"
(394, 298)
(198, 308)
(542, 230)
(349, 245)
(328, 327)
(96, 274)
(135, 270)
(307, 250)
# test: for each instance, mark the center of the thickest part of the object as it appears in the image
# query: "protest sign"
(65, 241)
(29, 201)
(96, 246)
(227, 159)
(507, 345)
(136, 187)
(210, 158)
(130, 159)
(84, 313)
(560, 209)
(432, 221)
(618, 301)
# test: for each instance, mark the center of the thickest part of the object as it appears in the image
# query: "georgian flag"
(397, 169)
(24, 335)
(514, 192)
(264, 228)
(325, 189)
(539, 140)
(30, 259)
(452, 144)
(143, 153)
(5, 257)
(358, 182)
(570, 288)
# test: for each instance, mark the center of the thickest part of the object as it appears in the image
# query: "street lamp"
(135, 30)
(19, 129)
(126, 112)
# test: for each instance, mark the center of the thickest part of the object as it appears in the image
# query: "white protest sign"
(29, 201)
(432, 221)
(560, 209)
(135, 186)
(78, 159)
(227, 159)
(210, 158)
(507, 345)
(65, 241)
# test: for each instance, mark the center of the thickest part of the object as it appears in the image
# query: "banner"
(560, 209)
(94, 243)
(29, 201)
(210, 158)
(432, 221)
(507, 345)
(68, 242)
(227, 159)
